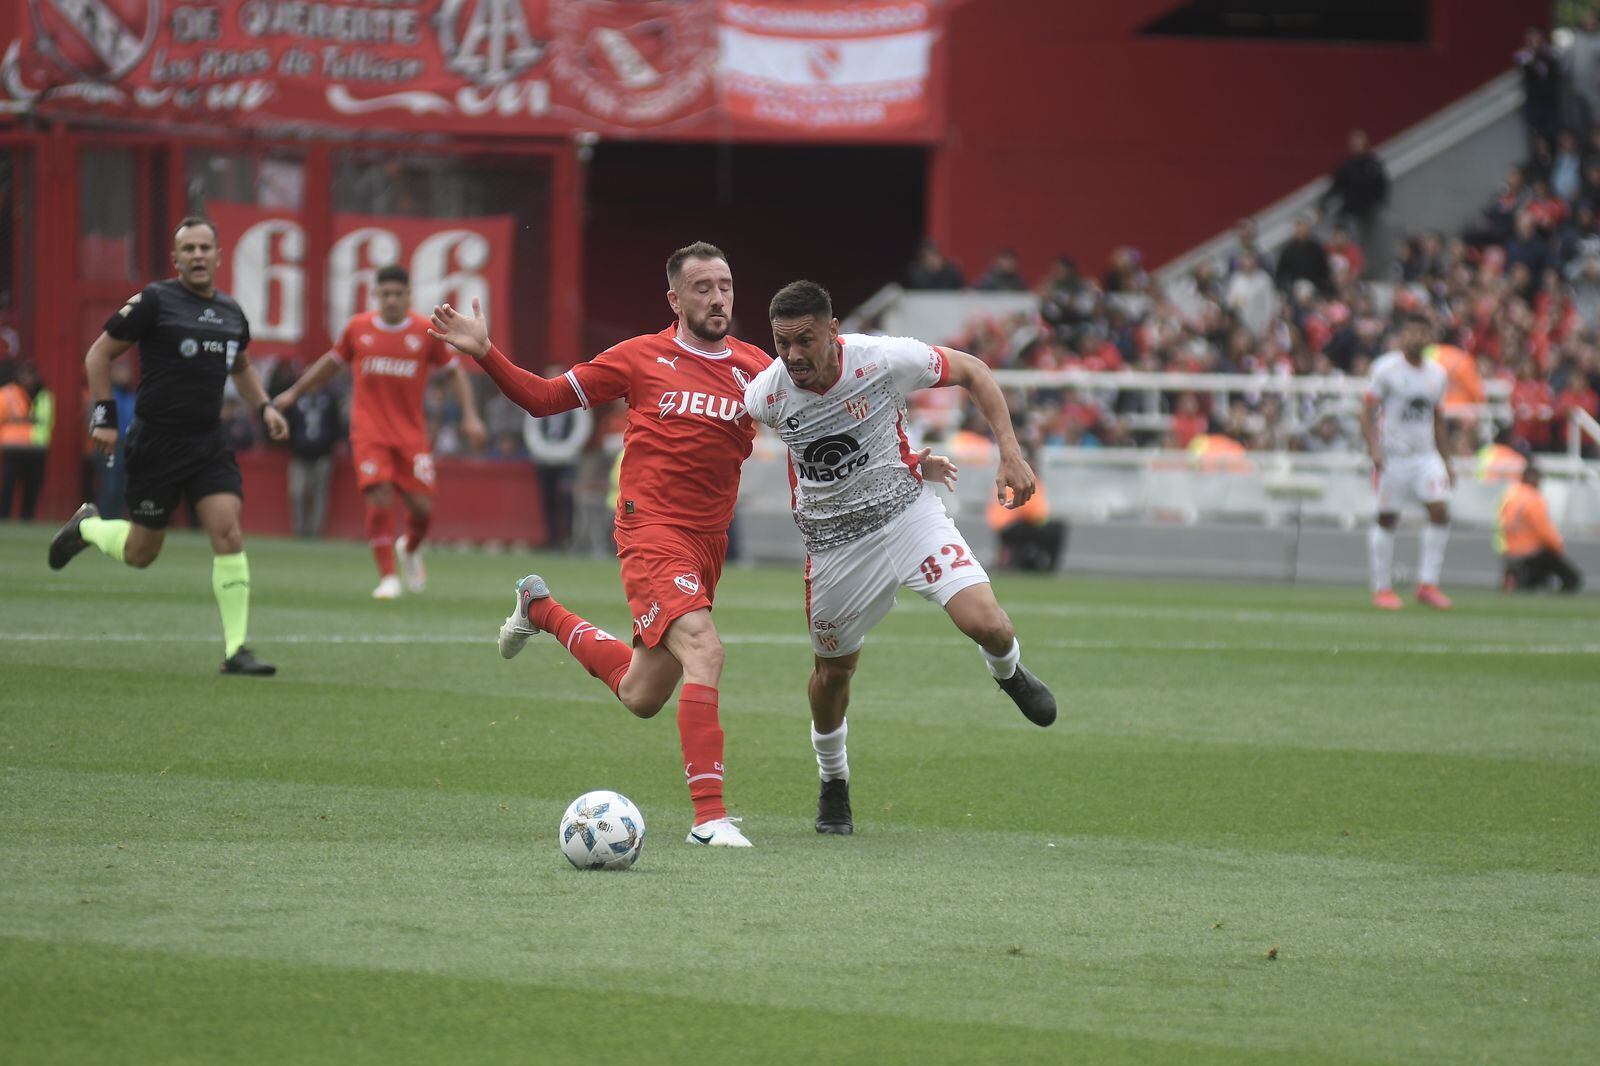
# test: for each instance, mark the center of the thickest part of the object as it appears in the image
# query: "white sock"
(832, 760)
(1003, 666)
(1434, 538)
(1380, 557)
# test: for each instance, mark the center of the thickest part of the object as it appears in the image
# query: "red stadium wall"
(1068, 132)
(477, 500)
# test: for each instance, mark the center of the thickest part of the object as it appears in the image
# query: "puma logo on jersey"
(673, 362)
(725, 408)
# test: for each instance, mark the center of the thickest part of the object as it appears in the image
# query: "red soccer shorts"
(408, 468)
(667, 571)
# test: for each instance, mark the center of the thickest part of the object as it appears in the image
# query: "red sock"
(597, 651)
(416, 528)
(380, 534)
(701, 736)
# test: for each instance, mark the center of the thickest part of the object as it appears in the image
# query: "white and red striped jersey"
(851, 466)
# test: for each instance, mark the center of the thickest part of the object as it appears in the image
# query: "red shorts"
(408, 468)
(667, 571)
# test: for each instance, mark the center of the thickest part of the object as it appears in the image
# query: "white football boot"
(388, 588)
(411, 568)
(517, 629)
(719, 833)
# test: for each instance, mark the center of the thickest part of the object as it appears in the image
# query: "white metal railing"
(1581, 424)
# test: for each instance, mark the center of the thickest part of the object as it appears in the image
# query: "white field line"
(424, 639)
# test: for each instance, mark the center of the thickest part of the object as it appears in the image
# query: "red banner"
(828, 67)
(662, 68)
(264, 267)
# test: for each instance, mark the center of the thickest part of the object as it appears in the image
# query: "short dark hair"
(1418, 317)
(697, 250)
(196, 220)
(392, 272)
(800, 299)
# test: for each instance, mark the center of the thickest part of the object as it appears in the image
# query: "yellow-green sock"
(107, 534)
(230, 580)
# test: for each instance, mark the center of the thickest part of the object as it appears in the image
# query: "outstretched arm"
(322, 370)
(471, 425)
(1014, 473)
(469, 334)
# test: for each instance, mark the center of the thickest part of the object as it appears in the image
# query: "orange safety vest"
(16, 417)
(1524, 525)
(1463, 383)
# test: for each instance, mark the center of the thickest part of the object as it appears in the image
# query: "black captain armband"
(103, 415)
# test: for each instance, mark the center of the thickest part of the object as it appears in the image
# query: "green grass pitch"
(1271, 825)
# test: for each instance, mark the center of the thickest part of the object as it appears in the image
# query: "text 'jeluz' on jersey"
(725, 408)
(387, 366)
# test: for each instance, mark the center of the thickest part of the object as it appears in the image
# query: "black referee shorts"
(165, 467)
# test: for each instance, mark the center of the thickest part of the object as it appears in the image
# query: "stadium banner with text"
(829, 67)
(658, 68)
(451, 260)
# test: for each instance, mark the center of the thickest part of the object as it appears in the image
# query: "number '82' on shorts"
(850, 588)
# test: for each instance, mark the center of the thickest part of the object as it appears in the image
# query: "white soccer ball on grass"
(602, 830)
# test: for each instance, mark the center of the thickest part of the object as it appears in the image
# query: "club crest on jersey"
(858, 408)
(740, 378)
(688, 584)
(413, 342)
(678, 402)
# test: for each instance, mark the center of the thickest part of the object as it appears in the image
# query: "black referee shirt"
(188, 345)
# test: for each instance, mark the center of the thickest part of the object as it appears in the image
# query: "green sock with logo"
(107, 534)
(230, 581)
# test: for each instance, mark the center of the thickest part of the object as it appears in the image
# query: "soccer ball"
(601, 831)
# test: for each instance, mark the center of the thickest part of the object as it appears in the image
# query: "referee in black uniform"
(191, 338)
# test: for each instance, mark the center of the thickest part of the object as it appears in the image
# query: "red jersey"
(391, 366)
(687, 432)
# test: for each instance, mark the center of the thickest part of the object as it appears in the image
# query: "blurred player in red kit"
(390, 354)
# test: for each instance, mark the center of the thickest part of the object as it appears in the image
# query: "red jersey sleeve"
(604, 378)
(345, 346)
(536, 395)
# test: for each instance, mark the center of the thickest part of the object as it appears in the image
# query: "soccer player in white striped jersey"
(1405, 432)
(869, 522)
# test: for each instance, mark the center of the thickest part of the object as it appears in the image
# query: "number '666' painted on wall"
(264, 267)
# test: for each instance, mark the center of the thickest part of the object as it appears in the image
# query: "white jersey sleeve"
(765, 392)
(912, 364)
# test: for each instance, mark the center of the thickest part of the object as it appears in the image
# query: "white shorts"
(850, 588)
(1416, 479)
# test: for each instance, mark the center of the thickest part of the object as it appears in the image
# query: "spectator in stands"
(1576, 391)
(1566, 170)
(1528, 247)
(1529, 543)
(1303, 258)
(1360, 184)
(315, 428)
(237, 426)
(1342, 249)
(1188, 422)
(1244, 232)
(1002, 275)
(1499, 216)
(1533, 406)
(1541, 87)
(1251, 296)
(27, 420)
(1066, 301)
(932, 270)
(1328, 432)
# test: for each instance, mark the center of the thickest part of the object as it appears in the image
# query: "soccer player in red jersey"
(687, 435)
(390, 354)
